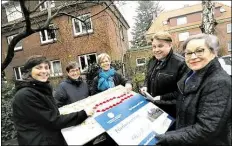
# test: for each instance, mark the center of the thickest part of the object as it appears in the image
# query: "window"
(44, 6)
(140, 61)
(18, 72)
(13, 12)
(48, 36)
(229, 46)
(183, 36)
(18, 45)
(56, 69)
(229, 28)
(86, 60)
(121, 32)
(81, 28)
(181, 20)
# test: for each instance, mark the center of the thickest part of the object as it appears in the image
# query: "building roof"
(157, 24)
(140, 48)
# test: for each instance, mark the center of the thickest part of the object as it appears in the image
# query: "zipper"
(165, 74)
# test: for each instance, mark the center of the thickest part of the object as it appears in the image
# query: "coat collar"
(197, 79)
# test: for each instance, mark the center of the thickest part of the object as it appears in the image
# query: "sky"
(128, 9)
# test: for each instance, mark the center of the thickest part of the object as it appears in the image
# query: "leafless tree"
(33, 25)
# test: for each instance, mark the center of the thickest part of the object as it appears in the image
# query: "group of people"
(193, 89)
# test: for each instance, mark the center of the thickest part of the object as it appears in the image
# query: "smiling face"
(105, 63)
(202, 56)
(74, 73)
(41, 72)
(160, 48)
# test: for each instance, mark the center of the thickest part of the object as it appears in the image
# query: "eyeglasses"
(74, 70)
(198, 53)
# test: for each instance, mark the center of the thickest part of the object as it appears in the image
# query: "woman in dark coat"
(107, 76)
(35, 114)
(204, 106)
(164, 70)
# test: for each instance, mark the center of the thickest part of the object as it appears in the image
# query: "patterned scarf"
(106, 79)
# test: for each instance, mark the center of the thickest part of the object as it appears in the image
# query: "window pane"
(51, 34)
(43, 35)
(181, 20)
(56, 67)
(77, 27)
(13, 12)
(82, 61)
(141, 61)
(17, 73)
(91, 59)
(183, 36)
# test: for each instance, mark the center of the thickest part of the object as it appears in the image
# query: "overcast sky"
(128, 9)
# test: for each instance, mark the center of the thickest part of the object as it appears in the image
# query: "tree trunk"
(208, 22)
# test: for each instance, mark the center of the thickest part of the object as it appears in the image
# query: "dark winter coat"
(117, 78)
(203, 109)
(70, 91)
(36, 116)
(161, 80)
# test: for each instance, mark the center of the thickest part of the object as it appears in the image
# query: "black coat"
(162, 80)
(36, 116)
(70, 91)
(117, 78)
(203, 109)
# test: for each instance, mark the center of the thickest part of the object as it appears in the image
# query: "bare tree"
(208, 22)
(29, 20)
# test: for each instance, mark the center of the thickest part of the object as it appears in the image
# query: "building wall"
(67, 47)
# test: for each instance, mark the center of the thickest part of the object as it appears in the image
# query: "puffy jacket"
(70, 91)
(162, 80)
(36, 116)
(203, 109)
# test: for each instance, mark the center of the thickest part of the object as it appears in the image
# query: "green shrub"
(7, 130)
(137, 81)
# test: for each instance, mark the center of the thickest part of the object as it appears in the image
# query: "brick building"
(106, 32)
(186, 21)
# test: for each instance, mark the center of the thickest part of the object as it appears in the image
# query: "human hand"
(89, 111)
(128, 87)
(142, 90)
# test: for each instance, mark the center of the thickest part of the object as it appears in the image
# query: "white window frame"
(121, 32)
(140, 64)
(229, 46)
(46, 5)
(183, 36)
(86, 61)
(13, 12)
(52, 74)
(80, 25)
(16, 48)
(20, 72)
(181, 20)
(228, 28)
(46, 36)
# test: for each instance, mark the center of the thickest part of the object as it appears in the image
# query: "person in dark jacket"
(35, 114)
(73, 88)
(107, 76)
(204, 105)
(164, 69)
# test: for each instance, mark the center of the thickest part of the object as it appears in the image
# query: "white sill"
(18, 48)
(140, 64)
(48, 41)
(83, 33)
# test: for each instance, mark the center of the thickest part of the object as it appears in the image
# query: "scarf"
(106, 79)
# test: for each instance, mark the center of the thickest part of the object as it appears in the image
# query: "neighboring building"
(107, 32)
(183, 22)
(136, 59)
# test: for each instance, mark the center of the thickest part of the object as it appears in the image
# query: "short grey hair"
(211, 41)
(102, 56)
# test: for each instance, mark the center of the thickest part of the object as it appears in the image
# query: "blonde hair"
(102, 56)
(162, 35)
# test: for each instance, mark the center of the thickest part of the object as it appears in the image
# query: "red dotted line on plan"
(121, 97)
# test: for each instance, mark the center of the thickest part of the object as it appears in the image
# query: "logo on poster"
(110, 115)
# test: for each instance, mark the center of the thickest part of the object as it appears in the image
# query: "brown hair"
(72, 65)
(162, 35)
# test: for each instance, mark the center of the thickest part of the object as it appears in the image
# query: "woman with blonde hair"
(107, 76)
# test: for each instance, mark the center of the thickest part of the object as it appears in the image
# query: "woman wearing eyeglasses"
(204, 106)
